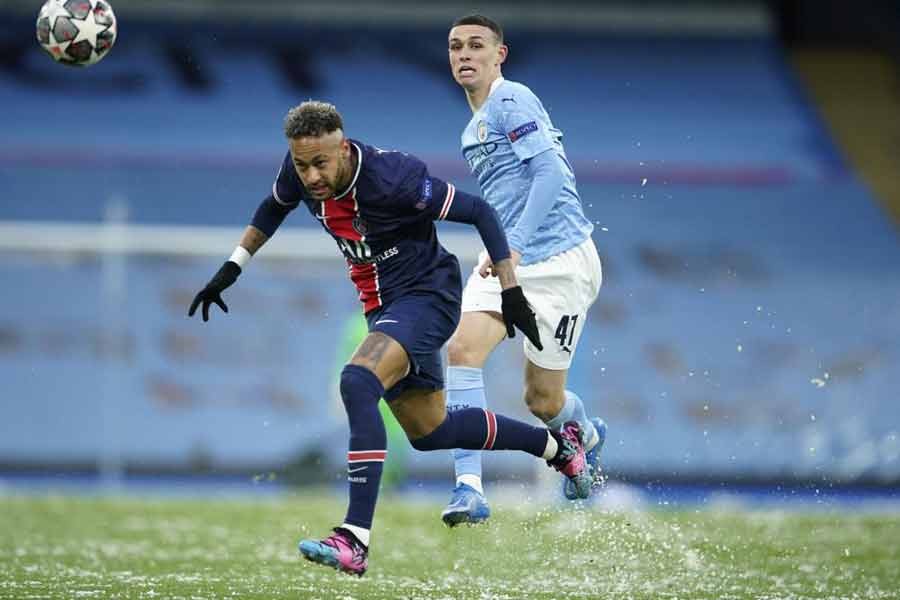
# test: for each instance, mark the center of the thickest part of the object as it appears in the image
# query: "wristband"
(240, 256)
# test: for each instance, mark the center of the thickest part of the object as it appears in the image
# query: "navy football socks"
(468, 428)
(360, 391)
(481, 429)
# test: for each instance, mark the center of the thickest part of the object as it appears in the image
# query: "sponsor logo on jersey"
(522, 131)
(478, 157)
(392, 251)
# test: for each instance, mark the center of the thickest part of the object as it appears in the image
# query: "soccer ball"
(77, 33)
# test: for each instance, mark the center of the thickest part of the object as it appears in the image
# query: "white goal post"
(182, 240)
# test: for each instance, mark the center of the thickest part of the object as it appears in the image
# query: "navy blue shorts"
(422, 323)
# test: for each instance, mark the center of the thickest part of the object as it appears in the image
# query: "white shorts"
(559, 289)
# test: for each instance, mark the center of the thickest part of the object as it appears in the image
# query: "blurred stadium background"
(739, 161)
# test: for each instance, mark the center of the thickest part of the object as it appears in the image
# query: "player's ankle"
(473, 481)
(551, 450)
(360, 533)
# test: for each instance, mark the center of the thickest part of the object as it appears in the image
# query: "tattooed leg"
(378, 363)
(384, 356)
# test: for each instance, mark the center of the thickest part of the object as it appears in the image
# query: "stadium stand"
(748, 327)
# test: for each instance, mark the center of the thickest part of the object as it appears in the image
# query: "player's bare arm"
(505, 270)
(253, 239)
(486, 268)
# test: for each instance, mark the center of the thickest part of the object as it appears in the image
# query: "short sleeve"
(435, 198)
(429, 196)
(287, 189)
(416, 192)
(524, 126)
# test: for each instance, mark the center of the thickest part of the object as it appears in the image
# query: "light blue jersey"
(509, 129)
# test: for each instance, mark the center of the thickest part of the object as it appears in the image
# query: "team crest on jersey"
(360, 226)
(482, 131)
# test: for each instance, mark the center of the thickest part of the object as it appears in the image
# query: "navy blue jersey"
(384, 225)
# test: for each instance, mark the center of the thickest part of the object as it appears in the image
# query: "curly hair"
(312, 119)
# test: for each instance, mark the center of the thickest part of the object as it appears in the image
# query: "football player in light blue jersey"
(517, 155)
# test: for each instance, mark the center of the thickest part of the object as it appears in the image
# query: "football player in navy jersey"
(380, 207)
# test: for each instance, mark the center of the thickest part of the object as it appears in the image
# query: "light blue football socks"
(465, 389)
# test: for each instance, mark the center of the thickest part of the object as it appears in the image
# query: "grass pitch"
(84, 547)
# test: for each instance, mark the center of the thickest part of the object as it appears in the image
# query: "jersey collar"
(352, 183)
(495, 84)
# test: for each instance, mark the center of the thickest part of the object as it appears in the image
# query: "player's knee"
(416, 428)
(462, 353)
(544, 401)
(456, 351)
(356, 381)
(433, 438)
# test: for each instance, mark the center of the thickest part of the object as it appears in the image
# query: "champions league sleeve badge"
(522, 131)
(425, 197)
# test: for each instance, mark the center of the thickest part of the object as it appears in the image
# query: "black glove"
(517, 313)
(225, 276)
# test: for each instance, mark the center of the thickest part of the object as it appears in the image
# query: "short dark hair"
(312, 119)
(476, 19)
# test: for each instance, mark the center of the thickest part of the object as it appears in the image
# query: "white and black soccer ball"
(76, 32)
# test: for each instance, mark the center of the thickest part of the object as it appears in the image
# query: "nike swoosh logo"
(357, 469)
(386, 321)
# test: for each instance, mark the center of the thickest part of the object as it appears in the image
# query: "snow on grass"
(616, 548)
